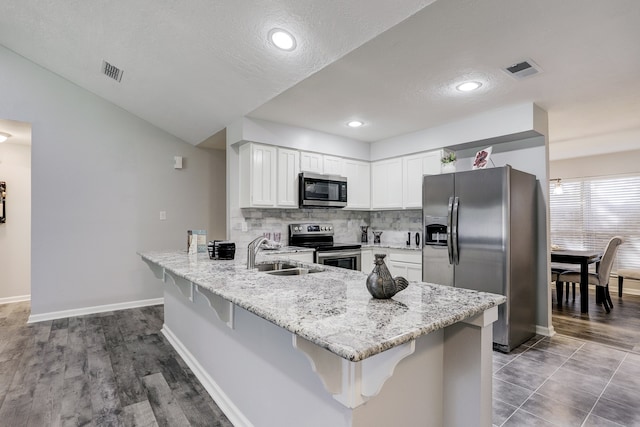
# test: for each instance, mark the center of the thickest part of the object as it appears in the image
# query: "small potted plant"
(449, 162)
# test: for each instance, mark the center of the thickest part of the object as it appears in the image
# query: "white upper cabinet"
(258, 165)
(386, 184)
(288, 169)
(358, 184)
(414, 168)
(269, 177)
(333, 165)
(321, 163)
(311, 162)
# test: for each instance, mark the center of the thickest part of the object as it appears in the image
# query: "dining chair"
(601, 277)
(557, 269)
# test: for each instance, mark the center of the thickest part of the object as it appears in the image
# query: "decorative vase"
(449, 167)
(380, 284)
(365, 234)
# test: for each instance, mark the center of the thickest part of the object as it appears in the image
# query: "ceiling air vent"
(522, 69)
(111, 71)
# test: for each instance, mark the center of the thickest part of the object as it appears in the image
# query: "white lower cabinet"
(400, 262)
(366, 259)
(408, 270)
(406, 263)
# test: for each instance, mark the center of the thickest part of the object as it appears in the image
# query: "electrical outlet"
(244, 226)
(163, 215)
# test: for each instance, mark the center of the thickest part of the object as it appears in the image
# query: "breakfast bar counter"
(317, 349)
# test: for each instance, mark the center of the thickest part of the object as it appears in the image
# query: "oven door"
(349, 259)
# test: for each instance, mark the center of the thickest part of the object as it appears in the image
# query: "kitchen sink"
(291, 272)
(283, 268)
(275, 266)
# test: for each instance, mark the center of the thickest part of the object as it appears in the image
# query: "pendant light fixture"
(557, 188)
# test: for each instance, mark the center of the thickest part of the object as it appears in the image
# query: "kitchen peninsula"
(318, 350)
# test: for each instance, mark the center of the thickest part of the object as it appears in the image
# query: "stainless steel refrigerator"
(480, 233)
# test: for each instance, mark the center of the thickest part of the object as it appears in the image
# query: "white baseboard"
(19, 298)
(545, 331)
(34, 318)
(232, 412)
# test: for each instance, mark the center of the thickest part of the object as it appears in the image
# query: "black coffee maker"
(219, 249)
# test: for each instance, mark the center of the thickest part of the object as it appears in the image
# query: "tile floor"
(562, 381)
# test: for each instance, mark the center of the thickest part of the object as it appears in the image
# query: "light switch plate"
(163, 215)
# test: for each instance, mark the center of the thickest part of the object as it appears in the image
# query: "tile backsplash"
(394, 224)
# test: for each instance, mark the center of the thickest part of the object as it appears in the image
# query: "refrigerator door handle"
(449, 236)
(454, 232)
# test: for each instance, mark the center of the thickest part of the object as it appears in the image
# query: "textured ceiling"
(403, 80)
(193, 67)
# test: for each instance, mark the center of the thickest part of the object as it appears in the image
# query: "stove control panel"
(310, 229)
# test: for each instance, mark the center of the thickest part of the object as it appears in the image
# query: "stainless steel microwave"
(322, 191)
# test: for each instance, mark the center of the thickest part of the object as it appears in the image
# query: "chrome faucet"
(252, 251)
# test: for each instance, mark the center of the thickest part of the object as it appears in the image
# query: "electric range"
(319, 236)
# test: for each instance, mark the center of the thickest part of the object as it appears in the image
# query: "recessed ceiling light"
(355, 123)
(4, 136)
(282, 39)
(468, 86)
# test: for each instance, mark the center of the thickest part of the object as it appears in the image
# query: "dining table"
(582, 258)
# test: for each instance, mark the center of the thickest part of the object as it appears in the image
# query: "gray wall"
(100, 177)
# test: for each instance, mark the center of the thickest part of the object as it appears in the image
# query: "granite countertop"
(391, 246)
(331, 308)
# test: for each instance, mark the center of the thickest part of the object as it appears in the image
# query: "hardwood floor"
(620, 328)
(116, 369)
(109, 369)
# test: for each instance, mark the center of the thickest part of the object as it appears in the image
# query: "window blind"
(591, 211)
